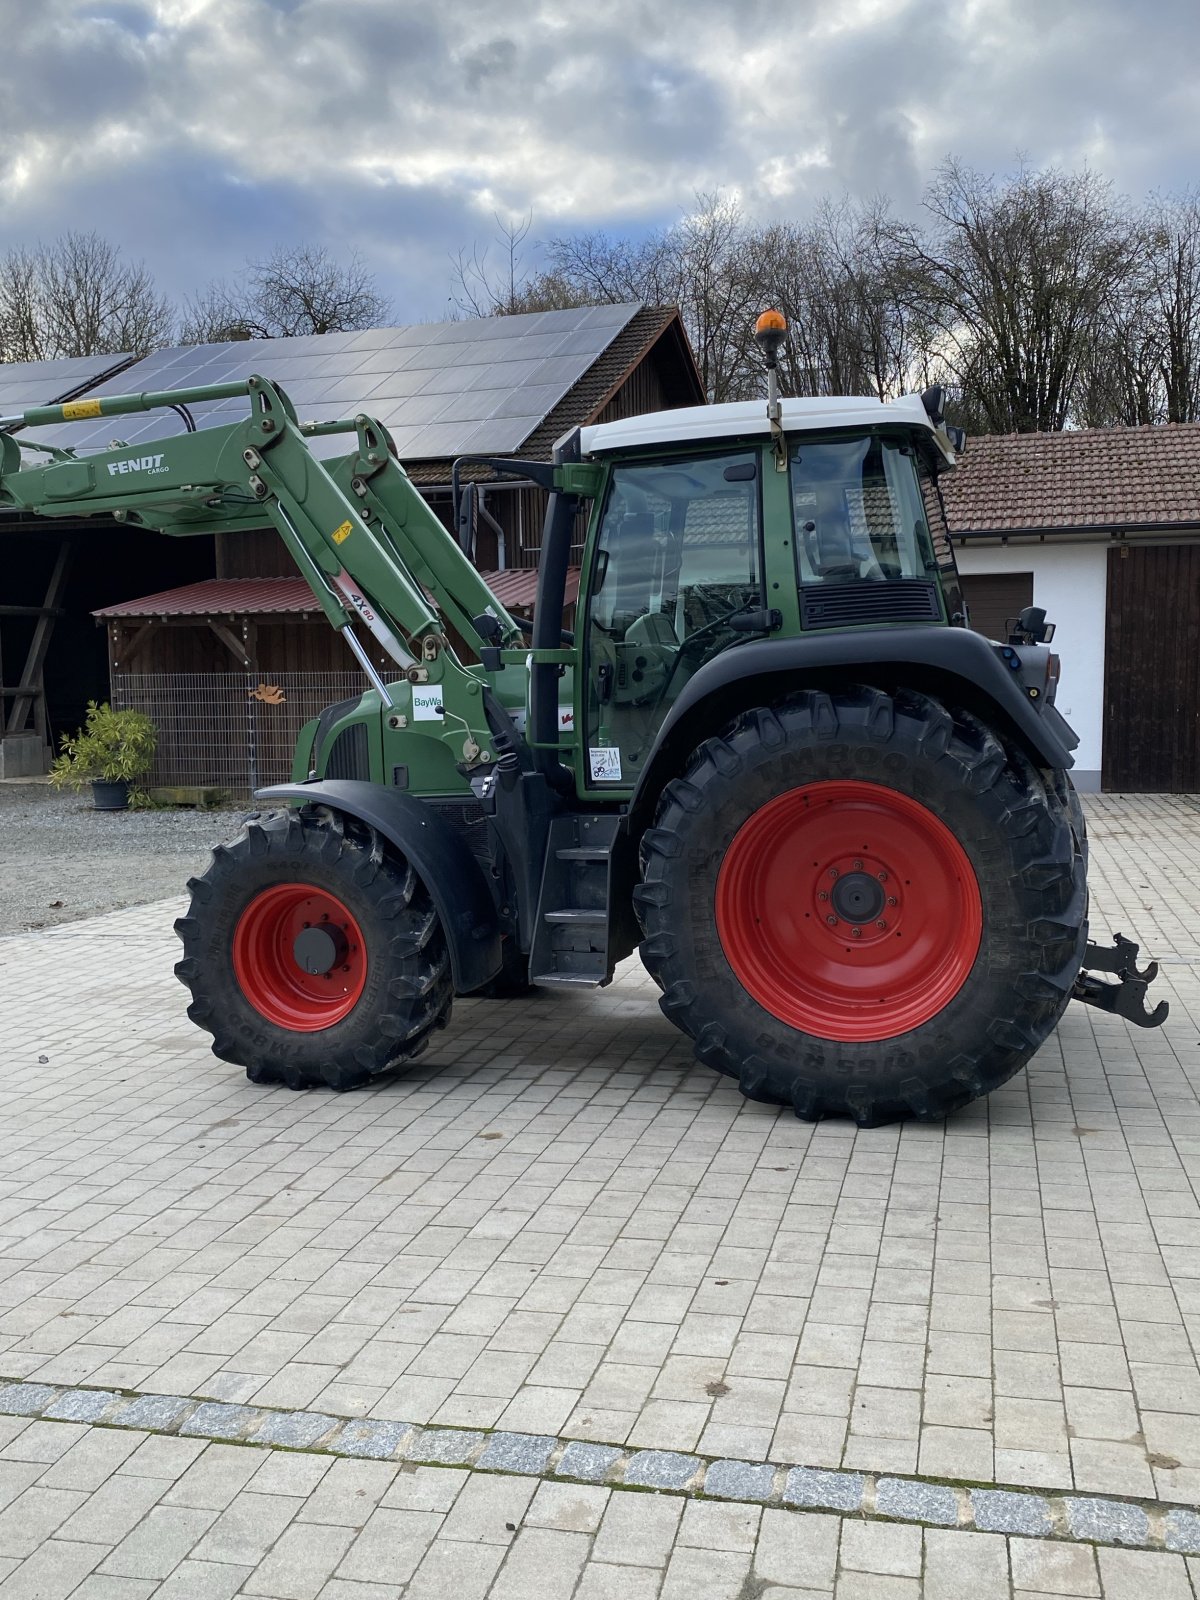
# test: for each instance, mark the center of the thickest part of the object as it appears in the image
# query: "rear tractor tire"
(313, 953)
(863, 904)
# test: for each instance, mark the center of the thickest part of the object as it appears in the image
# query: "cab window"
(678, 557)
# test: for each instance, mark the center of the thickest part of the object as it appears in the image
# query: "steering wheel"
(701, 633)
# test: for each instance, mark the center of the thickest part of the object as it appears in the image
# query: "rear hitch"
(1127, 997)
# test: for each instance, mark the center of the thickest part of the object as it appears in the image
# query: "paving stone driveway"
(557, 1224)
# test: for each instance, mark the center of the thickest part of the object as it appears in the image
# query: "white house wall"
(1071, 582)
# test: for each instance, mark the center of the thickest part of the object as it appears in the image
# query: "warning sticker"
(74, 409)
(340, 535)
(566, 719)
(427, 702)
(606, 764)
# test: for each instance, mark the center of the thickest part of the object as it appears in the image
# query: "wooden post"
(31, 677)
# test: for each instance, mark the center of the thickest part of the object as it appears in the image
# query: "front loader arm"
(369, 547)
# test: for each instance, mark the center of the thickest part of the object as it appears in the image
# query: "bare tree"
(1016, 281)
(700, 265)
(484, 290)
(845, 294)
(77, 297)
(297, 290)
(1172, 232)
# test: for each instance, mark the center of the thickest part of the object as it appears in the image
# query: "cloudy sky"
(194, 133)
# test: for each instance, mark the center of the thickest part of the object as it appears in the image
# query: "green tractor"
(837, 826)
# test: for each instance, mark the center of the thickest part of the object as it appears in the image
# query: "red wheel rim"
(299, 957)
(848, 910)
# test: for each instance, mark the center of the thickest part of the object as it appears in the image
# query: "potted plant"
(112, 751)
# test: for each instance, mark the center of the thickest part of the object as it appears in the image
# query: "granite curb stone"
(916, 1502)
(445, 1447)
(25, 1399)
(661, 1469)
(589, 1462)
(1107, 1521)
(837, 1491)
(1084, 1519)
(1003, 1511)
(82, 1405)
(215, 1420)
(376, 1441)
(740, 1480)
(297, 1429)
(1183, 1532)
(157, 1412)
(518, 1452)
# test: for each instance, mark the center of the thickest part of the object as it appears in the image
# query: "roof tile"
(1099, 478)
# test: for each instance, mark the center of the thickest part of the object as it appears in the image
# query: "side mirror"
(466, 513)
(1031, 627)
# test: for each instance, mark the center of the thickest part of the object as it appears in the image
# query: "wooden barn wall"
(256, 553)
(642, 391)
(279, 647)
(1152, 671)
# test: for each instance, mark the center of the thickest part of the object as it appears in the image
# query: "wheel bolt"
(831, 920)
(833, 872)
(856, 933)
(891, 900)
(858, 866)
(823, 894)
(881, 926)
(882, 876)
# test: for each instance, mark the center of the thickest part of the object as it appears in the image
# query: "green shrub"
(111, 747)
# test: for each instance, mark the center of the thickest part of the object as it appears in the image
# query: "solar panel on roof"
(482, 384)
(40, 383)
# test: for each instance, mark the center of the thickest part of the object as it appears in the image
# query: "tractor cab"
(696, 549)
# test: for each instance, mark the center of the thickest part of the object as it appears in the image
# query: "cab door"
(675, 576)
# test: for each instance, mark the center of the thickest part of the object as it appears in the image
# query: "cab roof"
(743, 419)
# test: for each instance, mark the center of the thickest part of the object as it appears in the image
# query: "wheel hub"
(318, 950)
(858, 897)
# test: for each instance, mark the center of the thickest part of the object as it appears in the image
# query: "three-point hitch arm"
(371, 549)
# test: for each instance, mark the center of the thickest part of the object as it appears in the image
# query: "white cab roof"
(747, 418)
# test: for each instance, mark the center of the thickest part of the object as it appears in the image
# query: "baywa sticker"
(606, 764)
(427, 702)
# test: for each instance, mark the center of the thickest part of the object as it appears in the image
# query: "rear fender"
(949, 663)
(436, 852)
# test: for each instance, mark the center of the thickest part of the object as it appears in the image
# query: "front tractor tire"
(313, 953)
(863, 904)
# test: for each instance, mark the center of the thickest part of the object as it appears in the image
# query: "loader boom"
(372, 551)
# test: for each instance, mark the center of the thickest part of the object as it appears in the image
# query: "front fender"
(436, 852)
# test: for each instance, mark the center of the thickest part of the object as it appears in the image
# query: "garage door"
(993, 599)
(1152, 671)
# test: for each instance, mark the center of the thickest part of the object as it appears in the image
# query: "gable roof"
(1107, 479)
(265, 597)
(483, 384)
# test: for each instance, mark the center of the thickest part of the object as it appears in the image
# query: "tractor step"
(571, 934)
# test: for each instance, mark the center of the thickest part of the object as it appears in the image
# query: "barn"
(217, 637)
